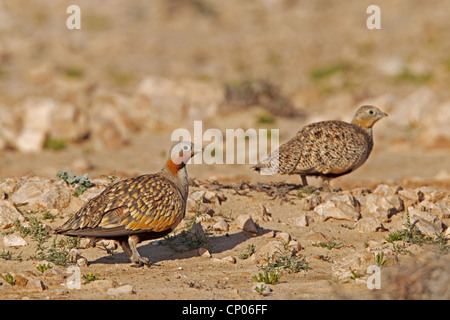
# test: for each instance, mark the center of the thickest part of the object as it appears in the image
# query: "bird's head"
(366, 116)
(180, 154)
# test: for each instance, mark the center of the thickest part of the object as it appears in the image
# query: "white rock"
(261, 214)
(8, 215)
(221, 225)
(203, 252)
(302, 220)
(354, 262)
(385, 190)
(43, 194)
(12, 240)
(126, 289)
(441, 209)
(381, 207)
(429, 224)
(246, 223)
(337, 210)
(283, 236)
(365, 225)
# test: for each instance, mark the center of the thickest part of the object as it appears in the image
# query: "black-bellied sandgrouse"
(327, 149)
(137, 209)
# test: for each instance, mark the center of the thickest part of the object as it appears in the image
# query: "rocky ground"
(320, 244)
(104, 101)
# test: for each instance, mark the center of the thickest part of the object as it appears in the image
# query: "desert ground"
(104, 101)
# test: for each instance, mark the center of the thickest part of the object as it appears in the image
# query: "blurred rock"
(36, 125)
(385, 190)
(168, 103)
(221, 225)
(12, 240)
(337, 210)
(8, 215)
(261, 214)
(366, 225)
(315, 237)
(429, 224)
(122, 290)
(380, 207)
(68, 123)
(43, 194)
(356, 262)
(302, 220)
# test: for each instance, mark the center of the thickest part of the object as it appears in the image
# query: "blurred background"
(107, 97)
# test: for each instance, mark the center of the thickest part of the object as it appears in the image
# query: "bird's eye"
(371, 112)
(186, 148)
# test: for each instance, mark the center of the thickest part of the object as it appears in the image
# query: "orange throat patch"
(172, 167)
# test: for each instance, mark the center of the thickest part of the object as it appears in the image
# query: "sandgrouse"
(327, 149)
(137, 209)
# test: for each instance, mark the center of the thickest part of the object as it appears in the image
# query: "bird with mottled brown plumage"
(137, 209)
(327, 149)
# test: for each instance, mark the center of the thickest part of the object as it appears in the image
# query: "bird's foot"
(140, 262)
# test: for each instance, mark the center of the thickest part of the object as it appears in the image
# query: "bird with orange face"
(137, 209)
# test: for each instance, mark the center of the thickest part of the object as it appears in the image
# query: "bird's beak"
(198, 150)
(383, 115)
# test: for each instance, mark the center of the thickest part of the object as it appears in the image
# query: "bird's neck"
(177, 174)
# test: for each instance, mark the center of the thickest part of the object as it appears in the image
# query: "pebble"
(126, 289)
(12, 240)
(246, 223)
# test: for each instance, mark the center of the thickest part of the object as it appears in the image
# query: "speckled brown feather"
(327, 148)
(149, 203)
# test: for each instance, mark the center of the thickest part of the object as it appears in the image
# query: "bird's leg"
(304, 181)
(135, 257)
(326, 185)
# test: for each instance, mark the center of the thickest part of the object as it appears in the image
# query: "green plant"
(268, 276)
(10, 279)
(55, 144)
(89, 277)
(329, 245)
(261, 289)
(248, 252)
(8, 255)
(71, 179)
(43, 267)
(305, 191)
(379, 259)
(410, 234)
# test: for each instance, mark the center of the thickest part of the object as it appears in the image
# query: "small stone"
(12, 240)
(86, 243)
(229, 259)
(366, 225)
(82, 262)
(302, 220)
(315, 237)
(126, 289)
(203, 252)
(8, 215)
(20, 280)
(246, 223)
(284, 237)
(337, 210)
(426, 222)
(221, 225)
(261, 215)
(385, 190)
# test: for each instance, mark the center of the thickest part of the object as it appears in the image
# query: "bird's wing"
(331, 147)
(148, 202)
